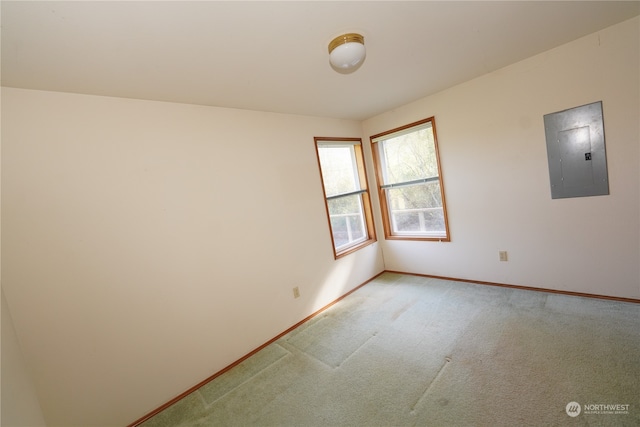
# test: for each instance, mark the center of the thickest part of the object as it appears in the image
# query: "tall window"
(410, 182)
(346, 194)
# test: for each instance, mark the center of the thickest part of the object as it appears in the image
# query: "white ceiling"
(272, 56)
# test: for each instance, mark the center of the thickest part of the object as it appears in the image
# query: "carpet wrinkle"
(268, 395)
(446, 362)
(410, 351)
(356, 350)
(181, 414)
(332, 341)
(241, 374)
(402, 309)
(339, 334)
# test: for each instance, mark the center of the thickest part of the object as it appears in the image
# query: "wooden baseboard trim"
(243, 358)
(525, 288)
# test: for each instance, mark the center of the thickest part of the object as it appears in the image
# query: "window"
(346, 194)
(410, 182)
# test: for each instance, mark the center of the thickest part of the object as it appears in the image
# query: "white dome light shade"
(347, 53)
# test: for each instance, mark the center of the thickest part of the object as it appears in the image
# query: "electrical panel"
(576, 152)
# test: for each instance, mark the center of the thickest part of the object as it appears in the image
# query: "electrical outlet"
(296, 292)
(503, 256)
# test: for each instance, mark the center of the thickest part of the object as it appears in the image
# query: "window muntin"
(410, 182)
(346, 194)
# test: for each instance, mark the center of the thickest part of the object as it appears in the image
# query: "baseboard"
(526, 288)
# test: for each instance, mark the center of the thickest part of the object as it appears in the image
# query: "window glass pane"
(409, 179)
(347, 220)
(417, 209)
(409, 157)
(338, 168)
(347, 200)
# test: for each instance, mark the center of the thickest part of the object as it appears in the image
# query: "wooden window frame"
(382, 192)
(369, 225)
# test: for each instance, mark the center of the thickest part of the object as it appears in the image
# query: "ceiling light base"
(347, 53)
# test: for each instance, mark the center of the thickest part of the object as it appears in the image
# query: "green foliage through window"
(410, 182)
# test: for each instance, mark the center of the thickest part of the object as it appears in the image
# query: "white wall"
(494, 160)
(148, 245)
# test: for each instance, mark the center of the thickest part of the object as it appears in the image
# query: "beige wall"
(148, 245)
(494, 160)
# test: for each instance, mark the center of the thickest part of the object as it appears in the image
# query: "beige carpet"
(412, 351)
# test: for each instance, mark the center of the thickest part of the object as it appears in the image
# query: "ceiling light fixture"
(347, 53)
